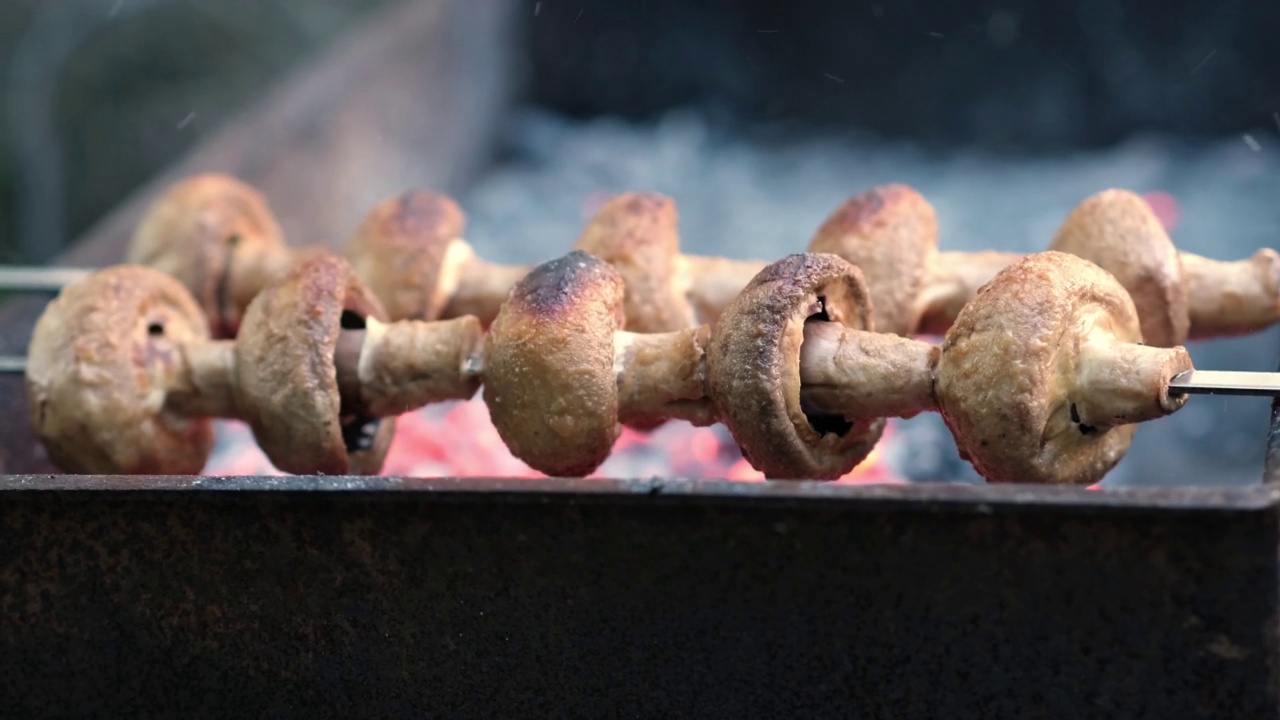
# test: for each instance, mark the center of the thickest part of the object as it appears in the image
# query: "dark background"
(1017, 75)
(99, 95)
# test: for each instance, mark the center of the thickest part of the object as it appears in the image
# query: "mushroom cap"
(753, 367)
(286, 379)
(1004, 382)
(890, 233)
(550, 381)
(399, 251)
(1118, 231)
(201, 231)
(96, 372)
(638, 233)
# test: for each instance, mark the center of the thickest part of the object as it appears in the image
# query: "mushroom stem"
(1119, 383)
(663, 375)
(1232, 298)
(711, 283)
(859, 374)
(203, 385)
(952, 280)
(398, 367)
(479, 287)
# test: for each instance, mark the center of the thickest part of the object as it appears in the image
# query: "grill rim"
(978, 498)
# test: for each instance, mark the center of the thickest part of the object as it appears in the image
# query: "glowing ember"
(457, 439)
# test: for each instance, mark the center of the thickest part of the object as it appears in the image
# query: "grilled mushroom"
(219, 238)
(561, 372)
(1044, 376)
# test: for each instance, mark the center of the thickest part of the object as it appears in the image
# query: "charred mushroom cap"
(1117, 230)
(550, 381)
(753, 366)
(96, 371)
(1007, 381)
(199, 232)
(286, 379)
(638, 234)
(891, 234)
(399, 252)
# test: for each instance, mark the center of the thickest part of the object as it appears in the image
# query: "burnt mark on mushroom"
(549, 290)
(824, 423)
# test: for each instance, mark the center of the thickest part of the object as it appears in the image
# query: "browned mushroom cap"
(99, 361)
(1043, 376)
(218, 237)
(286, 379)
(1118, 231)
(754, 368)
(550, 381)
(399, 251)
(638, 234)
(891, 234)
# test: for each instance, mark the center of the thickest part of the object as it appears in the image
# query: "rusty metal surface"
(341, 597)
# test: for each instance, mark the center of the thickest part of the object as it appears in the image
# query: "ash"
(761, 195)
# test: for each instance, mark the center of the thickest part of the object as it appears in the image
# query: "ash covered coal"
(763, 196)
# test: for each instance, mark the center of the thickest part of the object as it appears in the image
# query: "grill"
(296, 596)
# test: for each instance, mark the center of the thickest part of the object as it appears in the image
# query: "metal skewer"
(1192, 382)
(19, 278)
(1225, 382)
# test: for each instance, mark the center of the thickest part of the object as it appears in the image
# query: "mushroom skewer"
(123, 377)
(891, 233)
(1042, 378)
(410, 252)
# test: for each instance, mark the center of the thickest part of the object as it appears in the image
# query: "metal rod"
(38, 279)
(1225, 382)
(1192, 382)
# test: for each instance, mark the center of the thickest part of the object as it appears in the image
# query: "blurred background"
(758, 117)
(99, 95)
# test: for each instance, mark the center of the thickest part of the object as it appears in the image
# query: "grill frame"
(354, 597)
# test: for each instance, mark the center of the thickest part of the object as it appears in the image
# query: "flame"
(458, 440)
